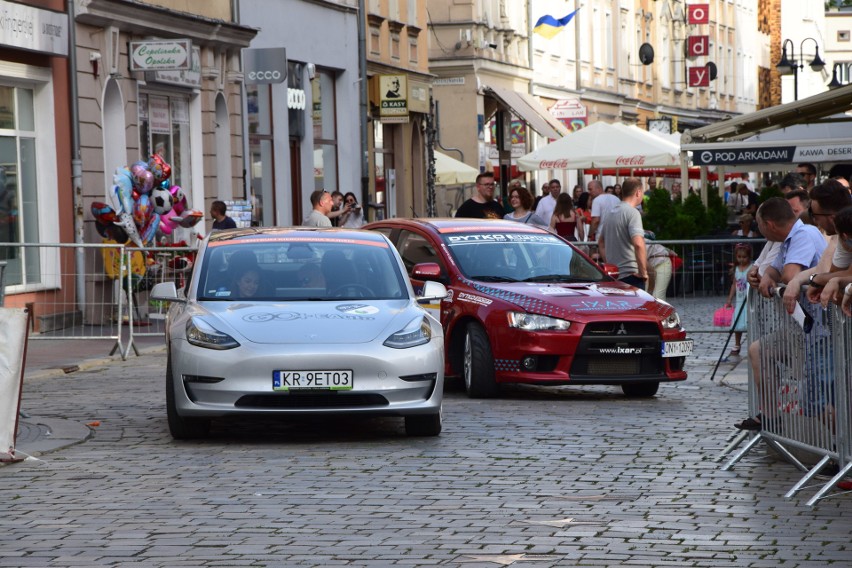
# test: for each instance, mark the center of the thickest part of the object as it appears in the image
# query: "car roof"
(459, 224)
(237, 236)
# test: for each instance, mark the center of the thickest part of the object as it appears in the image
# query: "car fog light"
(529, 363)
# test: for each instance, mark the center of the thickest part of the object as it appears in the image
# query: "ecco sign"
(255, 77)
(265, 66)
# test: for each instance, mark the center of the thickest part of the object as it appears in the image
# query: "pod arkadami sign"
(733, 155)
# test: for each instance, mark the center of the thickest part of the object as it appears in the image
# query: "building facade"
(303, 132)
(36, 194)
(399, 105)
(193, 118)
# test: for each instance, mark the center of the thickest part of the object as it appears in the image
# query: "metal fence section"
(147, 317)
(801, 391)
(706, 267)
(44, 278)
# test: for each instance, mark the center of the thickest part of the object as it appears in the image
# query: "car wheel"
(181, 427)
(641, 390)
(478, 363)
(423, 424)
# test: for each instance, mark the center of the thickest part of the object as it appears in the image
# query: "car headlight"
(417, 332)
(202, 334)
(535, 322)
(672, 321)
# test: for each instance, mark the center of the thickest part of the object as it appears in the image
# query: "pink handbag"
(723, 316)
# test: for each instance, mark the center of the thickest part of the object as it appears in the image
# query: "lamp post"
(840, 75)
(792, 65)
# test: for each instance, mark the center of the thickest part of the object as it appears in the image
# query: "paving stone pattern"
(538, 477)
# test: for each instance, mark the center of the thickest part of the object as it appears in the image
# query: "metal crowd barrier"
(706, 268)
(116, 279)
(45, 278)
(147, 317)
(802, 391)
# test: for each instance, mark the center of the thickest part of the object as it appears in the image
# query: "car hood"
(294, 323)
(562, 300)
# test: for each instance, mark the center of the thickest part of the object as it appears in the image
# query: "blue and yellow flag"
(548, 26)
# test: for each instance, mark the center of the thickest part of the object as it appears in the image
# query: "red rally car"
(526, 306)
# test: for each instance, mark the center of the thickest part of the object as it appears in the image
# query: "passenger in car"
(246, 284)
(310, 276)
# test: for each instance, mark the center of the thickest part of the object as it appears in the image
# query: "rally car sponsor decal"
(357, 309)
(615, 291)
(557, 291)
(465, 297)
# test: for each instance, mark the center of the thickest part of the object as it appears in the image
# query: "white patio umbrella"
(449, 171)
(603, 145)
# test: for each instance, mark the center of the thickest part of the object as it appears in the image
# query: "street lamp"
(787, 66)
(839, 75)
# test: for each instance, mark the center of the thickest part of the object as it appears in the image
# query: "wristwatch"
(811, 280)
(848, 290)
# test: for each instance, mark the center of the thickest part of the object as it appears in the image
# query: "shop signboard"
(33, 29)
(264, 66)
(161, 55)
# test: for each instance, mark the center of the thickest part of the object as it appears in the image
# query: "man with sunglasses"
(826, 200)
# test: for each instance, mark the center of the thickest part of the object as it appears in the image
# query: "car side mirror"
(166, 291)
(610, 270)
(427, 271)
(432, 292)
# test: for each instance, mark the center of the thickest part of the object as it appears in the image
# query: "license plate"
(677, 348)
(322, 380)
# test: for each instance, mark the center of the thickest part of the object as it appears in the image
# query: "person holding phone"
(352, 216)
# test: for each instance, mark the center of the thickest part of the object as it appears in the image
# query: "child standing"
(739, 288)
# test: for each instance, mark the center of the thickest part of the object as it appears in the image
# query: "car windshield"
(289, 269)
(520, 257)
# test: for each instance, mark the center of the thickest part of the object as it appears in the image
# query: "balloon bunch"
(144, 205)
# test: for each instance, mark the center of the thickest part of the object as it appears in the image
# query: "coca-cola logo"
(630, 161)
(553, 164)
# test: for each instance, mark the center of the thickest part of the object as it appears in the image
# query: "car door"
(415, 248)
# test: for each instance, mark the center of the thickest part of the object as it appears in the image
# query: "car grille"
(616, 350)
(329, 400)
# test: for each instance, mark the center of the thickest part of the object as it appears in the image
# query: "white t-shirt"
(842, 257)
(545, 208)
(601, 206)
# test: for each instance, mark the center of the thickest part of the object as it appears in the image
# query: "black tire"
(423, 424)
(478, 363)
(641, 390)
(181, 427)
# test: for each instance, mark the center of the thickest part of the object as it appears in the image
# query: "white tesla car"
(301, 321)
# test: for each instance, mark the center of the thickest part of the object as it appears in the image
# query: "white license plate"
(677, 348)
(323, 380)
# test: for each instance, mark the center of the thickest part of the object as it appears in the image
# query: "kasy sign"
(166, 55)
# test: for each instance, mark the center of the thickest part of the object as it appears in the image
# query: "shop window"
(261, 151)
(324, 119)
(164, 130)
(19, 200)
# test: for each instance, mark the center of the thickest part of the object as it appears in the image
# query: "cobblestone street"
(538, 477)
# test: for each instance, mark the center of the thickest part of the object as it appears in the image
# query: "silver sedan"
(301, 321)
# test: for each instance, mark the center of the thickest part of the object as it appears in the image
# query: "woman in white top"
(352, 216)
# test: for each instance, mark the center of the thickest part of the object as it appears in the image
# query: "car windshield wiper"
(494, 278)
(555, 278)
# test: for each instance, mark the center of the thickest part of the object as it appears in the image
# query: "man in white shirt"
(547, 204)
(602, 204)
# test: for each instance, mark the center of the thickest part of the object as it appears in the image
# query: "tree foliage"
(686, 219)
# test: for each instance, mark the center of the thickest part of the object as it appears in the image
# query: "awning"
(772, 118)
(530, 111)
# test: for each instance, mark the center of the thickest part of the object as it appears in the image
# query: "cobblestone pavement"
(537, 477)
